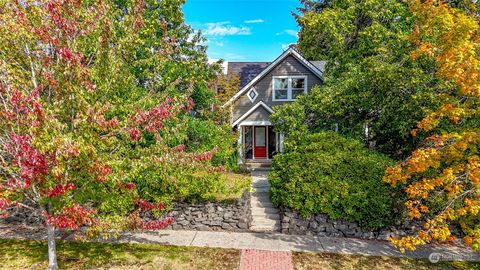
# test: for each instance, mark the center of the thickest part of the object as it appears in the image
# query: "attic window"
(252, 94)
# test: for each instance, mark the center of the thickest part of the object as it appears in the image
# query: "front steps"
(265, 217)
(258, 165)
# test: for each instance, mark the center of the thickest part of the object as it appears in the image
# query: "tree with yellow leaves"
(442, 179)
(227, 86)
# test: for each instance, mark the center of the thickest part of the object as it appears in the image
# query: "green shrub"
(204, 135)
(165, 180)
(330, 174)
(188, 183)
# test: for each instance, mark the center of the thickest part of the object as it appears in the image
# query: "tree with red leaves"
(60, 148)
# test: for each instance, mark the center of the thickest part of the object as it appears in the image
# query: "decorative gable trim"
(255, 93)
(285, 54)
(245, 115)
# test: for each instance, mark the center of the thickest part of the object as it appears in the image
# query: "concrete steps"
(269, 226)
(258, 204)
(259, 165)
(265, 217)
(265, 210)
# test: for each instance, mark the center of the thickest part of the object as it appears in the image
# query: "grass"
(324, 261)
(233, 186)
(236, 184)
(20, 254)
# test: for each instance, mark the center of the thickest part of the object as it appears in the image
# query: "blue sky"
(244, 30)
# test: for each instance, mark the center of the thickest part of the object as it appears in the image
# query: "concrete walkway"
(302, 243)
(265, 217)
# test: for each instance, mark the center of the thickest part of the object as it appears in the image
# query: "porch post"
(281, 142)
(240, 144)
(253, 142)
(267, 132)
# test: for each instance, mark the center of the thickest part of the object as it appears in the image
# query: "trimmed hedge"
(337, 176)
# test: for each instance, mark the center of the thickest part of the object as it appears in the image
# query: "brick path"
(252, 259)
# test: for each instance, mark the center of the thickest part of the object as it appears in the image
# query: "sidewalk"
(302, 243)
(264, 241)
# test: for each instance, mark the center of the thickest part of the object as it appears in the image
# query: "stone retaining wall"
(321, 225)
(213, 216)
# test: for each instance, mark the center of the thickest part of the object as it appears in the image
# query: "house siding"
(260, 114)
(290, 66)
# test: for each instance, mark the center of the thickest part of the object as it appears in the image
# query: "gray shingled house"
(264, 85)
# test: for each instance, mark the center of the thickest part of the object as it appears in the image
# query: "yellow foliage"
(451, 37)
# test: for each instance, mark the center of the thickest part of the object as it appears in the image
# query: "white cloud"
(215, 41)
(288, 32)
(254, 21)
(225, 29)
(291, 32)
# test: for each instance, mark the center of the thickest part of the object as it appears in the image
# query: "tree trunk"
(52, 251)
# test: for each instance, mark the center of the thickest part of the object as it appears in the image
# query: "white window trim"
(256, 94)
(289, 87)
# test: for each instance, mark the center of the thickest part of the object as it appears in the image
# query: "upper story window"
(288, 87)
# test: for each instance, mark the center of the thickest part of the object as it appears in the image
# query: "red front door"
(260, 143)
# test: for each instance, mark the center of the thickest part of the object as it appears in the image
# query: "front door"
(260, 143)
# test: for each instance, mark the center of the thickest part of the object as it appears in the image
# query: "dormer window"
(288, 88)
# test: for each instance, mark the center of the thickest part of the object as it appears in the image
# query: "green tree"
(155, 52)
(81, 141)
(372, 90)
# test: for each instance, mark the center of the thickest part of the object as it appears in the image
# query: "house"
(264, 85)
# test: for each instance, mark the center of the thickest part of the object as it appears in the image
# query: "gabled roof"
(246, 71)
(289, 52)
(245, 115)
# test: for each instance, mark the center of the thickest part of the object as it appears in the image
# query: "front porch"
(259, 143)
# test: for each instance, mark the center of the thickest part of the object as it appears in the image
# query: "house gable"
(289, 53)
(289, 65)
(256, 115)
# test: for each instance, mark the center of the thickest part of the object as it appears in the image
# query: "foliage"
(203, 135)
(370, 80)
(83, 135)
(442, 178)
(141, 68)
(227, 86)
(334, 175)
(164, 51)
